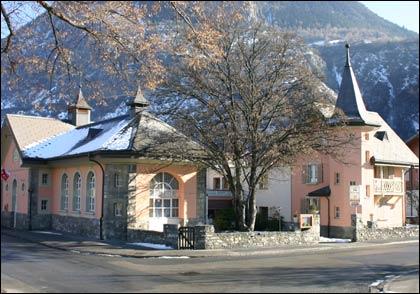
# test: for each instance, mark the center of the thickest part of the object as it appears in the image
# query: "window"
(367, 156)
(377, 172)
(337, 178)
(367, 136)
(164, 196)
(7, 187)
(77, 184)
(64, 192)
(90, 192)
(216, 184)
(263, 210)
(263, 184)
(44, 204)
(367, 190)
(388, 172)
(352, 183)
(16, 155)
(337, 212)
(23, 187)
(118, 209)
(44, 179)
(225, 184)
(117, 180)
(312, 174)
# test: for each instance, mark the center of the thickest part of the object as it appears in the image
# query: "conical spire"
(138, 102)
(350, 99)
(80, 100)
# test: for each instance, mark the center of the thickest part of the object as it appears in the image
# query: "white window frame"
(90, 191)
(77, 186)
(117, 180)
(164, 200)
(65, 193)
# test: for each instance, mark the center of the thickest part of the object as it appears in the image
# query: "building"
(367, 187)
(273, 195)
(412, 182)
(99, 179)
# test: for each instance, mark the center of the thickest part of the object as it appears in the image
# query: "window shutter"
(305, 174)
(320, 173)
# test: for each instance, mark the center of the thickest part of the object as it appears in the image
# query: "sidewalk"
(77, 244)
(407, 282)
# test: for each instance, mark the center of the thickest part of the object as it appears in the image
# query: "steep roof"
(350, 100)
(29, 129)
(80, 101)
(142, 134)
(391, 149)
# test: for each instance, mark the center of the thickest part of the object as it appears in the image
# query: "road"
(30, 267)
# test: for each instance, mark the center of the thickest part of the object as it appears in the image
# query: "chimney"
(138, 103)
(79, 113)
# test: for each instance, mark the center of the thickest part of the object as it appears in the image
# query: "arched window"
(164, 196)
(77, 185)
(64, 192)
(90, 192)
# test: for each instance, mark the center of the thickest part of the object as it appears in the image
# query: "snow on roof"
(114, 135)
(393, 150)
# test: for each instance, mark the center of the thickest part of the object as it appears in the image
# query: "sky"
(403, 13)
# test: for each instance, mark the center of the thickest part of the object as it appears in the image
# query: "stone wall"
(88, 227)
(370, 231)
(201, 196)
(206, 238)
(338, 232)
(367, 234)
(41, 222)
(169, 236)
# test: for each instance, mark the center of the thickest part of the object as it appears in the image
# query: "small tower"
(350, 100)
(79, 113)
(138, 103)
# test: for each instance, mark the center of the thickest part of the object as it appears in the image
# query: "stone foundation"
(169, 236)
(22, 220)
(88, 227)
(338, 232)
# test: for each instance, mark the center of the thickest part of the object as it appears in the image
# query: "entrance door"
(14, 202)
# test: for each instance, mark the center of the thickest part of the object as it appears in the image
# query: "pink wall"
(187, 179)
(83, 170)
(21, 175)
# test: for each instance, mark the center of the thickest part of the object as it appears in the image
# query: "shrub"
(224, 219)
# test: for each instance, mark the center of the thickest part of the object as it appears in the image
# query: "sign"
(4, 174)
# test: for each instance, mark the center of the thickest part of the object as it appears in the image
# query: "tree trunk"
(252, 211)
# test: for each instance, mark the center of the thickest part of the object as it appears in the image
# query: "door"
(14, 202)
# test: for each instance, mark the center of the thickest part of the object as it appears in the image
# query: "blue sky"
(403, 13)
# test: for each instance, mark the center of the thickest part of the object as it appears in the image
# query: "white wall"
(277, 195)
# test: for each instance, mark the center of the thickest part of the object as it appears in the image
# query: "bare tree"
(246, 93)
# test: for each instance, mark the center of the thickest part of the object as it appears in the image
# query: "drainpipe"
(30, 190)
(101, 220)
(329, 219)
(411, 188)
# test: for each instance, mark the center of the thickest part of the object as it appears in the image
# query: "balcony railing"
(387, 187)
(219, 193)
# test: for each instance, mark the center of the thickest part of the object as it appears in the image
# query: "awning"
(322, 192)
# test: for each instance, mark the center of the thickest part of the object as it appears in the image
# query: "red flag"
(4, 174)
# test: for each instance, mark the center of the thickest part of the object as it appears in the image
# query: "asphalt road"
(30, 267)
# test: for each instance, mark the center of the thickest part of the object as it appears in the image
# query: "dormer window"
(381, 135)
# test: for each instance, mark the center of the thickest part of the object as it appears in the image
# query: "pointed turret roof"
(81, 101)
(138, 100)
(350, 100)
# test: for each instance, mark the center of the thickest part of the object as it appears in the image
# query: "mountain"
(384, 57)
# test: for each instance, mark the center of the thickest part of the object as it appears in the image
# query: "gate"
(186, 238)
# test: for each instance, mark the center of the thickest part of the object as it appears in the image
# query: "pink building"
(412, 182)
(99, 179)
(368, 189)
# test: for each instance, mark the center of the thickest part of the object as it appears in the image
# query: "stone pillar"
(131, 204)
(201, 196)
(170, 234)
(201, 234)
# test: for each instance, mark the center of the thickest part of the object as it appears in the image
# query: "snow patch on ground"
(46, 232)
(151, 245)
(173, 257)
(333, 240)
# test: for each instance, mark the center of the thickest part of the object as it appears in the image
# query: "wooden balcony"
(219, 193)
(387, 187)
